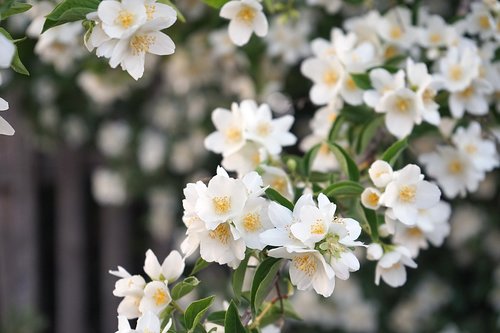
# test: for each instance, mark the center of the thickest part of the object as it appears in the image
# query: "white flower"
(277, 179)
(472, 99)
(308, 269)
(170, 270)
(426, 87)
(147, 323)
(374, 251)
(395, 27)
(152, 150)
(5, 127)
(113, 138)
(120, 19)
(453, 170)
(8, 50)
(401, 111)
(380, 173)
(253, 221)
(327, 76)
(247, 159)
(370, 198)
(223, 199)
(383, 82)
(480, 21)
(156, 297)
(246, 17)
(482, 153)
(459, 67)
(273, 134)
(282, 219)
(408, 193)
(131, 52)
(436, 33)
(230, 135)
(391, 267)
(289, 39)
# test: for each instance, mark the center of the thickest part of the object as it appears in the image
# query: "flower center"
(455, 167)
(330, 78)
(467, 93)
(125, 19)
(396, 32)
(318, 227)
(415, 232)
(305, 263)
(471, 149)
(141, 43)
(263, 129)
(324, 149)
(484, 22)
(150, 11)
(373, 198)
(160, 297)
(279, 184)
(222, 233)
(407, 193)
(233, 134)
(247, 14)
(456, 72)
(221, 205)
(428, 95)
(402, 104)
(435, 38)
(350, 84)
(251, 222)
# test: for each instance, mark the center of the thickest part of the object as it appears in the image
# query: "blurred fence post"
(71, 260)
(19, 270)
(115, 250)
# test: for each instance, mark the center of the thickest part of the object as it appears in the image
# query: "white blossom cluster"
(414, 215)
(459, 168)
(146, 300)
(248, 135)
(407, 97)
(229, 215)
(125, 31)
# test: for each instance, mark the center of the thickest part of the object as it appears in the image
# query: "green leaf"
(371, 217)
(344, 188)
(199, 265)
(217, 317)
(215, 3)
(346, 162)
(183, 288)
(362, 81)
(276, 312)
(396, 60)
(195, 311)
(335, 129)
(15, 8)
(360, 114)
(239, 276)
(368, 133)
(392, 153)
(180, 16)
(70, 11)
(16, 64)
(274, 195)
(5, 5)
(232, 322)
(263, 281)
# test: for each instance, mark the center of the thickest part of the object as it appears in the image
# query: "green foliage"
(217, 317)
(279, 310)
(199, 265)
(232, 321)
(335, 129)
(239, 276)
(16, 64)
(70, 11)
(10, 8)
(274, 195)
(195, 311)
(392, 153)
(309, 159)
(371, 218)
(263, 281)
(368, 132)
(183, 288)
(346, 162)
(215, 3)
(344, 188)
(362, 81)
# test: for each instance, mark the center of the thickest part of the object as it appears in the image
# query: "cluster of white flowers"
(460, 168)
(125, 31)
(146, 300)
(461, 68)
(245, 17)
(6, 56)
(228, 215)
(247, 135)
(414, 215)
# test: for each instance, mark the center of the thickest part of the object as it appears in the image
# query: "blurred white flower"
(8, 50)
(245, 17)
(108, 187)
(113, 138)
(5, 127)
(152, 150)
(459, 67)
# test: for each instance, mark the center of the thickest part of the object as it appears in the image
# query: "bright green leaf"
(274, 195)
(215, 3)
(392, 153)
(239, 276)
(195, 312)
(217, 317)
(263, 281)
(368, 133)
(15, 8)
(344, 188)
(232, 322)
(346, 162)
(335, 129)
(362, 81)
(70, 11)
(199, 265)
(183, 288)
(371, 217)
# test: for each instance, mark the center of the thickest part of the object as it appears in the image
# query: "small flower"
(380, 173)
(391, 267)
(374, 251)
(401, 111)
(327, 76)
(170, 270)
(246, 17)
(459, 67)
(370, 198)
(120, 19)
(8, 50)
(156, 297)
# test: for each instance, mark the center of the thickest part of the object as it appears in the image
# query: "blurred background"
(94, 175)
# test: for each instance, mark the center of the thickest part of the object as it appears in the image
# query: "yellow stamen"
(467, 93)
(330, 78)
(247, 14)
(402, 104)
(396, 32)
(263, 129)
(150, 11)
(221, 205)
(407, 193)
(222, 233)
(251, 222)
(350, 84)
(233, 134)
(456, 72)
(279, 184)
(373, 199)
(125, 19)
(455, 167)
(471, 149)
(428, 95)
(484, 22)
(318, 227)
(160, 297)
(435, 38)
(141, 43)
(415, 232)
(305, 263)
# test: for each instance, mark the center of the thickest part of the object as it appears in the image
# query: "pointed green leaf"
(183, 288)
(195, 312)
(263, 281)
(371, 217)
(274, 195)
(309, 158)
(232, 322)
(335, 129)
(15, 8)
(368, 133)
(239, 276)
(362, 81)
(199, 265)
(343, 188)
(346, 162)
(392, 153)
(70, 11)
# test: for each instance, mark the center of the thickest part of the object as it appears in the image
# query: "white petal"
(163, 44)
